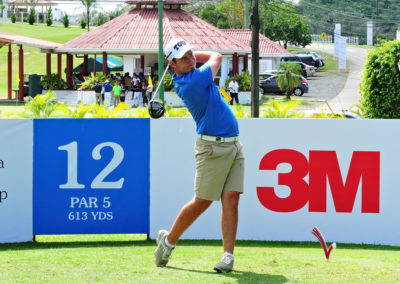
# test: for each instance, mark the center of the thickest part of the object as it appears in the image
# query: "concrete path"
(350, 94)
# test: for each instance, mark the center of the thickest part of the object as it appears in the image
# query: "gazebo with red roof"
(134, 36)
(44, 46)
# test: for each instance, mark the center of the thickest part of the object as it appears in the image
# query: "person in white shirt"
(234, 91)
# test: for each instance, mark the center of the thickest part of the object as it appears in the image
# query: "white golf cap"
(177, 48)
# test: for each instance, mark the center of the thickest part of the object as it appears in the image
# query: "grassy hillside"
(34, 61)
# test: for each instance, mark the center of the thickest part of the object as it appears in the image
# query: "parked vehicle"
(308, 70)
(269, 84)
(307, 59)
(320, 60)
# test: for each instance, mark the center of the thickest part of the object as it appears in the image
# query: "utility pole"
(255, 87)
(376, 21)
(160, 50)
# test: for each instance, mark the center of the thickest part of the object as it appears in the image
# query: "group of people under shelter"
(134, 91)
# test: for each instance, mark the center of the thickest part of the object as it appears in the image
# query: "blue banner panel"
(91, 176)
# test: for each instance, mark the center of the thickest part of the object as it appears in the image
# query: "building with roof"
(134, 36)
(44, 46)
(21, 8)
(270, 52)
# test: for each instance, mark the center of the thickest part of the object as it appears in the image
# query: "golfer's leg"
(186, 217)
(229, 219)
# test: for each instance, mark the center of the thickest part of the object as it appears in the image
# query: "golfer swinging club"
(218, 152)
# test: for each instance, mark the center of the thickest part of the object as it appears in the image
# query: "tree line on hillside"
(285, 21)
(353, 17)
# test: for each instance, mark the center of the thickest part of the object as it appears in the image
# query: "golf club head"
(156, 109)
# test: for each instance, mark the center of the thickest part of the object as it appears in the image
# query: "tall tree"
(89, 5)
(282, 23)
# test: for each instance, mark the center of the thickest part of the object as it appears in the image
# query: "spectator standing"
(136, 90)
(123, 92)
(234, 91)
(116, 91)
(107, 93)
(144, 88)
(149, 91)
(127, 81)
(102, 91)
(97, 90)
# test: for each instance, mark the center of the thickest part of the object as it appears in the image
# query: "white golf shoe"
(163, 251)
(225, 265)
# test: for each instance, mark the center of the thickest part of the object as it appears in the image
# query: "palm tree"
(88, 4)
(289, 76)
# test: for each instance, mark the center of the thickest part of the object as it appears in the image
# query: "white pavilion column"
(224, 72)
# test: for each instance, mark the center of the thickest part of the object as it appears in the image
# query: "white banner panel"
(369, 34)
(342, 53)
(16, 159)
(338, 175)
(336, 37)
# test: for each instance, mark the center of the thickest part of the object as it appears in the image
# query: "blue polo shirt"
(210, 111)
(107, 87)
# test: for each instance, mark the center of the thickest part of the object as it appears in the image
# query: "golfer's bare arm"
(214, 59)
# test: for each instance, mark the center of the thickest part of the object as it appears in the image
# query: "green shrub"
(31, 16)
(49, 18)
(53, 82)
(13, 18)
(101, 19)
(42, 105)
(83, 23)
(380, 85)
(281, 109)
(91, 80)
(243, 79)
(65, 21)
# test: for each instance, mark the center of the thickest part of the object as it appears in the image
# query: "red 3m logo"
(322, 166)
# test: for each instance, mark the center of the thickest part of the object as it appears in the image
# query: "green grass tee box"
(130, 259)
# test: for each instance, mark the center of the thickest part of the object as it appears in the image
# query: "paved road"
(350, 94)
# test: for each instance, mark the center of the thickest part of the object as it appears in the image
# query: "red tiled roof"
(136, 31)
(23, 40)
(155, 2)
(267, 46)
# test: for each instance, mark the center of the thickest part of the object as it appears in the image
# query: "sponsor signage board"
(91, 176)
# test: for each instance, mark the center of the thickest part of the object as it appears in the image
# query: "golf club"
(156, 108)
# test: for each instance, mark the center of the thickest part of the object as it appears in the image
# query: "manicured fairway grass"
(129, 259)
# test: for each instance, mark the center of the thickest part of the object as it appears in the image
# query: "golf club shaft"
(159, 83)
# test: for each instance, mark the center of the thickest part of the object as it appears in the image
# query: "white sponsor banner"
(369, 34)
(337, 35)
(16, 160)
(342, 53)
(338, 175)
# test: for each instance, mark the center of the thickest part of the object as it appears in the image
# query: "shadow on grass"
(76, 244)
(112, 242)
(242, 276)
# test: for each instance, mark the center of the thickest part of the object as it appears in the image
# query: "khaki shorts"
(219, 167)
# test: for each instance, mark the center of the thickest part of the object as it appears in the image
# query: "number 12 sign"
(91, 176)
